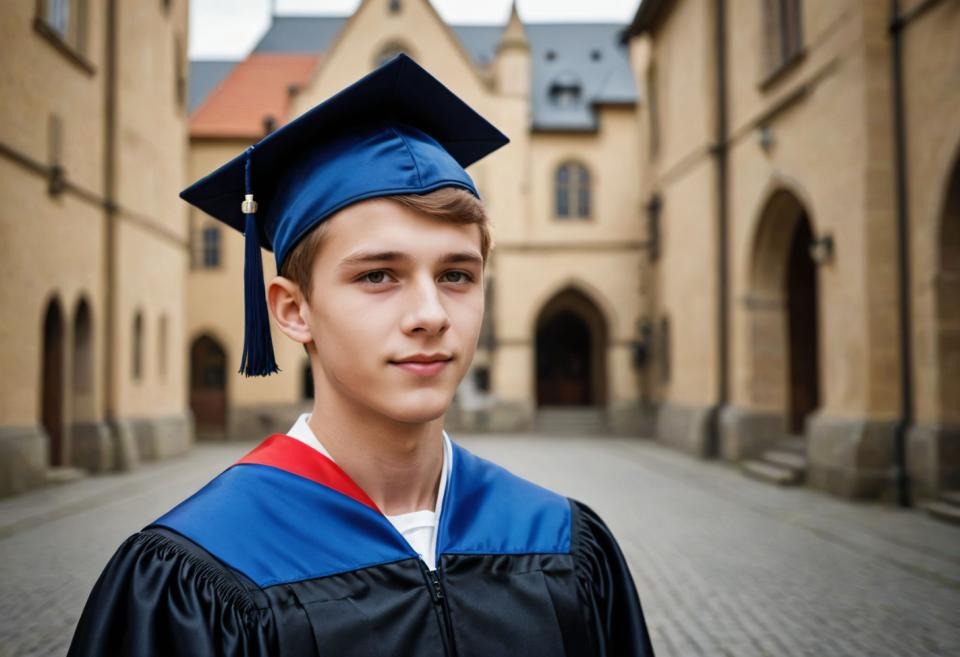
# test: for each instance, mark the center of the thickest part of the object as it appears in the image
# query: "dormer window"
(565, 90)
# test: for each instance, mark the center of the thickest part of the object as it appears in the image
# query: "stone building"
(564, 282)
(800, 174)
(94, 244)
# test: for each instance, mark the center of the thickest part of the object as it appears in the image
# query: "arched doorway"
(571, 346)
(802, 329)
(83, 402)
(208, 385)
(52, 382)
(948, 306)
(783, 309)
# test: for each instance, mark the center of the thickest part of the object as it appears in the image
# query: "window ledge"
(776, 74)
(41, 27)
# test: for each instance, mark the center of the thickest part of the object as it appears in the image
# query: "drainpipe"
(897, 23)
(110, 209)
(719, 151)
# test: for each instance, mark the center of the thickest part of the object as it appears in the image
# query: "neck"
(398, 464)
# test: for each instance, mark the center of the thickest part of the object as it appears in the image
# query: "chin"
(418, 409)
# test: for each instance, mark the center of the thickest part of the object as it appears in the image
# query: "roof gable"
(591, 57)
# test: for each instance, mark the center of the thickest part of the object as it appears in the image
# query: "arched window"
(82, 349)
(390, 51)
(138, 346)
(52, 379)
(84, 408)
(572, 188)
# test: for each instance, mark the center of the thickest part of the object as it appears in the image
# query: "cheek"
(466, 314)
(348, 341)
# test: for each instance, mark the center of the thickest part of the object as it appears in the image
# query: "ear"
(288, 309)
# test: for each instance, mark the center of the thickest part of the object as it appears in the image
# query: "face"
(396, 309)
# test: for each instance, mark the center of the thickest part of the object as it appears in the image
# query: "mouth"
(424, 366)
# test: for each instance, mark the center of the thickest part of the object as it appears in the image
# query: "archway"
(52, 382)
(208, 385)
(783, 310)
(571, 346)
(948, 304)
(83, 402)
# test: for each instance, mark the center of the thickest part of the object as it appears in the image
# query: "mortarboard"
(397, 130)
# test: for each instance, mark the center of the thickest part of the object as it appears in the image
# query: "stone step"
(795, 445)
(943, 511)
(770, 473)
(786, 459)
(64, 475)
(571, 421)
(951, 497)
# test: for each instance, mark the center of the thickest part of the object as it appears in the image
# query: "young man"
(366, 530)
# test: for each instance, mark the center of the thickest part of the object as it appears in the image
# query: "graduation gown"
(283, 554)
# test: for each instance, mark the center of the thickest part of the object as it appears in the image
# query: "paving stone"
(725, 565)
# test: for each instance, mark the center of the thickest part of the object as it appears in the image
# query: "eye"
(374, 277)
(460, 277)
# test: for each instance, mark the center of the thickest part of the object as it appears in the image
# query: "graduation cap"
(397, 130)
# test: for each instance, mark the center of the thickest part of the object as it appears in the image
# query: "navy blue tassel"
(257, 358)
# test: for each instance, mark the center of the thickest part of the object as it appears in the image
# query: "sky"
(228, 29)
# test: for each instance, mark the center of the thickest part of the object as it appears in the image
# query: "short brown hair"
(451, 204)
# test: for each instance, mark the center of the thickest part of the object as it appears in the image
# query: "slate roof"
(205, 75)
(565, 57)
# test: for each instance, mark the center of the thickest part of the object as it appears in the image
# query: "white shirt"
(419, 528)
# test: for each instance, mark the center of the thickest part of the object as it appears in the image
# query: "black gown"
(283, 554)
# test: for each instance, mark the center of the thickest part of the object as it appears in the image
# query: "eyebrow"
(364, 257)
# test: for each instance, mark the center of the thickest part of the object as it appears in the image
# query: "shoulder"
(307, 529)
(490, 509)
(161, 594)
(164, 555)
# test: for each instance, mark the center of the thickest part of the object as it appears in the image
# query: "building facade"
(564, 282)
(800, 167)
(92, 155)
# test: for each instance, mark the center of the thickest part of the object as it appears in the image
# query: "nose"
(427, 315)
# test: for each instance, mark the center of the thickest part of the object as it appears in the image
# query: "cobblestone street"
(725, 565)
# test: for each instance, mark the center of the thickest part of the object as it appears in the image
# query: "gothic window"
(210, 242)
(572, 189)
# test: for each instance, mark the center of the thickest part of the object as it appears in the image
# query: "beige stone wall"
(826, 125)
(678, 62)
(46, 82)
(932, 95)
(152, 230)
(54, 244)
(817, 138)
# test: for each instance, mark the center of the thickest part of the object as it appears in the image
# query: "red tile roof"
(256, 88)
